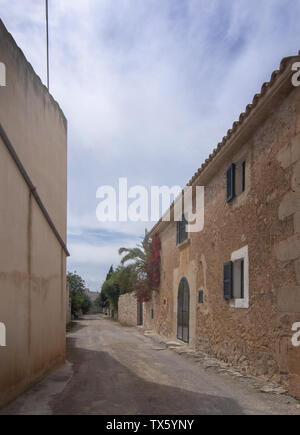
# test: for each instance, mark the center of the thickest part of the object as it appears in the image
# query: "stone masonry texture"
(265, 217)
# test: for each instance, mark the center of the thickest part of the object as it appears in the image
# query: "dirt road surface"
(112, 369)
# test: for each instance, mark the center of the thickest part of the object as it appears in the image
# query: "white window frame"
(2, 74)
(2, 335)
(242, 254)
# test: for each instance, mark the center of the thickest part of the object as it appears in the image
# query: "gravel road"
(112, 369)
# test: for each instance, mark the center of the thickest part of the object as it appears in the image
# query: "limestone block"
(289, 205)
(297, 270)
(294, 358)
(295, 149)
(294, 385)
(285, 156)
(296, 176)
(288, 249)
(297, 222)
(288, 299)
(290, 153)
(298, 123)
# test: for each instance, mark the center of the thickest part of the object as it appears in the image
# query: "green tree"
(109, 273)
(134, 274)
(102, 300)
(144, 266)
(139, 259)
(86, 304)
(77, 288)
(139, 255)
(125, 276)
(111, 290)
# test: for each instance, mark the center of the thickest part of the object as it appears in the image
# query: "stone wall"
(265, 220)
(288, 255)
(127, 309)
(149, 313)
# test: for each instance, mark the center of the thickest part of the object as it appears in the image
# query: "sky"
(149, 88)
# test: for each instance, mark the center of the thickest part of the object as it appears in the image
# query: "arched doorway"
(183, 311)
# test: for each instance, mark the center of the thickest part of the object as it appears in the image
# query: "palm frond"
(132, 254)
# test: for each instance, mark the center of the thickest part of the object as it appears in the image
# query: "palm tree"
(138, 268)
(143, 268)
(140, 255)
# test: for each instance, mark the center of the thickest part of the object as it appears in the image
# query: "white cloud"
(85, 253)
(149, 88)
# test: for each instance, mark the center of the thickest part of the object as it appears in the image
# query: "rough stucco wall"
(265, 218)
(37, 129)
(127, 309)
(32, 262)
(32, 287)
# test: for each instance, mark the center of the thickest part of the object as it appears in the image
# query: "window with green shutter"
(228, 280)
(243, 176)
(230, 182)
(235, 179)
(182, 234)
(234, 279)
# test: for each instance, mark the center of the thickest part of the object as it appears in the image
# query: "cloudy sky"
(149, 88)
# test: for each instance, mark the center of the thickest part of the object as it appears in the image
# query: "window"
(200, 297)
(182, 234)
(227, 280)
(235, 179)
(243, 176)
(230, 182)
(236, 279)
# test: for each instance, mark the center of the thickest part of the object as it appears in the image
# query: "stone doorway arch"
(183, 311)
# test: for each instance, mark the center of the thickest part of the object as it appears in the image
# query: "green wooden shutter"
(230, 181)
(243, 176)
(227, 280)
(242, 278)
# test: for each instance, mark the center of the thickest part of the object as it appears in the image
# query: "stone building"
(33, 180)
(233, 289)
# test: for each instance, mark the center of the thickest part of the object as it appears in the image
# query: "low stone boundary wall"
(127, 309)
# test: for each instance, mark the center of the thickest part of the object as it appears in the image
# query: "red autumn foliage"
(155, 262)
(152, 270)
